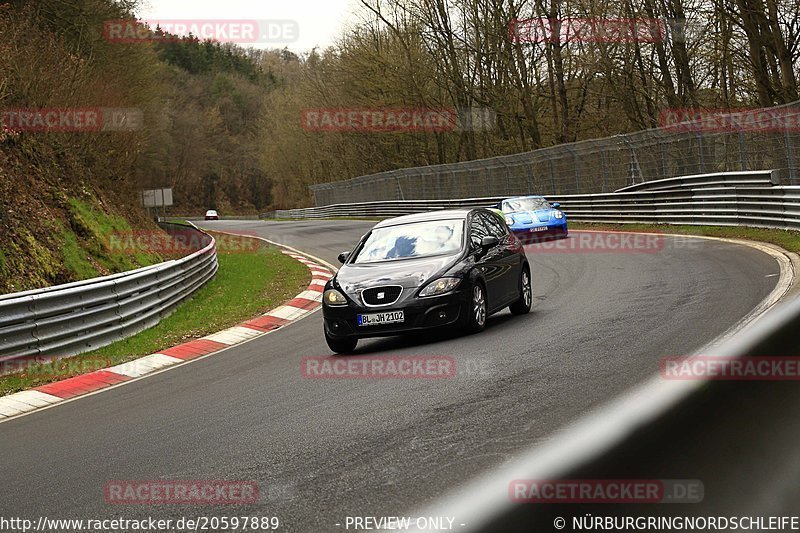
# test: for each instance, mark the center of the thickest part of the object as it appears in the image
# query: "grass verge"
(247, 285)
(786, 239)
(88, 236)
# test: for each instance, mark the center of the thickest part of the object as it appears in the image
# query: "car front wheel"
(523, 305)
(344, 345)
(477, 309)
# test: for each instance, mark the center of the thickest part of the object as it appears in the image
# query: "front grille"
(381, 295)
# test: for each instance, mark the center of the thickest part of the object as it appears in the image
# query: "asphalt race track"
(322, 450)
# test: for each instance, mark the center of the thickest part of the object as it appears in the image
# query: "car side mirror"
(343, 257)
(556, 204)
(489, 241)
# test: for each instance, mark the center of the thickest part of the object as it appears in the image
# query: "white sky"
(320, 21)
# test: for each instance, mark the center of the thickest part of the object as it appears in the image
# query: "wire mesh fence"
(592, 166)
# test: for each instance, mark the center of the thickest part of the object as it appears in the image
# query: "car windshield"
(525, 204)
(418, 239)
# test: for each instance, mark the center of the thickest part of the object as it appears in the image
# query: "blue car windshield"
(525, 204)
(418, 239)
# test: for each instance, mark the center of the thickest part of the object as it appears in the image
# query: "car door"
(487, 261)
(506, 257)
(477, 232)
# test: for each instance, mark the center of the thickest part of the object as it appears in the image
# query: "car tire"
(344, 345)
(477, 311)
(523, 305)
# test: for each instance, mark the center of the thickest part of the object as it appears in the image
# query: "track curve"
(322, 450)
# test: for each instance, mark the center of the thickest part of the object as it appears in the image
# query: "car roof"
(442, 214)
(524, 197)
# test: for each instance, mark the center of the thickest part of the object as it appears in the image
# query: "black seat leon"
(427, 270)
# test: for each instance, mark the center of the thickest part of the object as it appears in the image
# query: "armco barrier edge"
(726, 199)
(86, 315)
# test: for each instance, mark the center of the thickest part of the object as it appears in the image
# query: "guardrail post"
(701, 147)
(529, 179)
(575, 163)
(742, 153)
(790, 156)
(508, 176)
(605, 170)
(400, 188)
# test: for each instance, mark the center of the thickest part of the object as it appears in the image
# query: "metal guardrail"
(755, 178)
(86, 315)
(709, 199)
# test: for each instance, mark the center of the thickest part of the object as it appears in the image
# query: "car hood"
(532, 217)
(408, 273)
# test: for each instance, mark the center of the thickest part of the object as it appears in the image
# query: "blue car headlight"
(558, 214)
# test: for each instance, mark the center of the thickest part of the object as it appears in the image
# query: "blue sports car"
(532, 218)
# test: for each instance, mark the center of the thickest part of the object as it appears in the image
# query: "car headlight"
(558, 214)
(440, 286)
(334, 297)
(509, 221)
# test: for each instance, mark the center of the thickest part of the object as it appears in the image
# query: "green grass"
(786, 239)
(93, 231)
(247, 285)
(75, 257)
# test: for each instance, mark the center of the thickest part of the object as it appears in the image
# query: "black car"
(415, 272)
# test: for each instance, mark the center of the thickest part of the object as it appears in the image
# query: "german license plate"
(375, 319)
(540, 228)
